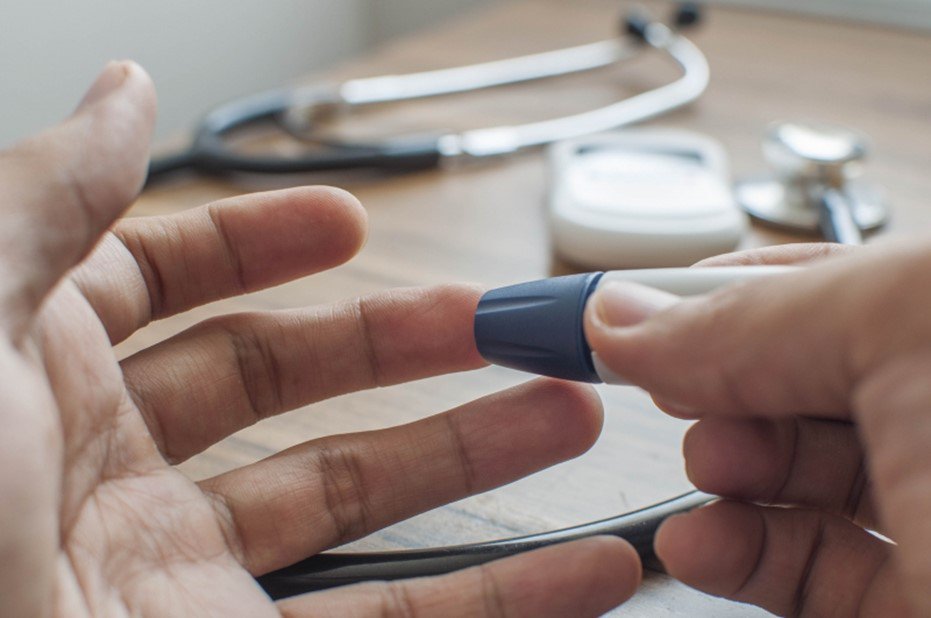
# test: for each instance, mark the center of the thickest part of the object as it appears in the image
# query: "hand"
(812, 392)
(94, 520)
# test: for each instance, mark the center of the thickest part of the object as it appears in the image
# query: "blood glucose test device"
(641, 198)
(537, 326)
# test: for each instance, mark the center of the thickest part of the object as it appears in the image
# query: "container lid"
(537, 327)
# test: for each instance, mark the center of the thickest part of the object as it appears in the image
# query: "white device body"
(682, 282)
(642, 198)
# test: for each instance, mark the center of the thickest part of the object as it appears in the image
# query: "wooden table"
(485, 223)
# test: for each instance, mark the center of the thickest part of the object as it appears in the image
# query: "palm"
(96, 520)
(136, 534)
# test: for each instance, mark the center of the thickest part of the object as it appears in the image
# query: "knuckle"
(229, 247)
(491, 593)
(346, 497)
(362, 311)
(225, 514)
(150, 264)
(466, 465)
(255, 361)
(397, 601)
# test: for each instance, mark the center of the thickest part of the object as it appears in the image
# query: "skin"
(94, 519)
(812, 397)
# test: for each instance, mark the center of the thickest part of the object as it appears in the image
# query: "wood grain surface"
(485, 223)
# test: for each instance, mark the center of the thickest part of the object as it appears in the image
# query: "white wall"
(202, 52)
(390, 18)
(907, 13)
(199, 52)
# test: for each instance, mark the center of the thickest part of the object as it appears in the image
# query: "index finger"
(153, 267)
(238, 369)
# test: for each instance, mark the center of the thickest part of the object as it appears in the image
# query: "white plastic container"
(642, 198)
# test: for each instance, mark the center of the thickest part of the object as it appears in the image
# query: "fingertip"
(619, 562)
(344, 216)
(143, 86)
(614, 322)
(580, 408)
(682, 544)
(675, 409)
(465, 295)
(595, 574)
(620, 304)
(702, 458)
(113, 78)
(730, 457)
(673, 541)
(123, 88)
(553, 419)
(343, 199)
(294, 232)
(143, 101)
(711, 547)
(117, 118)
(455, 304)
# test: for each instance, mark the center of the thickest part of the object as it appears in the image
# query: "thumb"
(849, 338)
(62, 188)
(788, 344)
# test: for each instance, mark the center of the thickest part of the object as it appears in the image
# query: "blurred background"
(205, 52)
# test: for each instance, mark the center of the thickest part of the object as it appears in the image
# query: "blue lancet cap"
(537, 327)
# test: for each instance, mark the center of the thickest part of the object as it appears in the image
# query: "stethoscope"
(299, 112)
(814, 186)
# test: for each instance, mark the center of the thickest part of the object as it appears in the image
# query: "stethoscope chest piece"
(814, 185)
(767, 199)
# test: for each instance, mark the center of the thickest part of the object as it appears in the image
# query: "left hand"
(95, 520)
(812, 397)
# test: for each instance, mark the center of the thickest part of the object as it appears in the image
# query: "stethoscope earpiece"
(686, 15)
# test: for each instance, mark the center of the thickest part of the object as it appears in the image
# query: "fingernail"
(676, 409)
(619, 304)
(109, 80)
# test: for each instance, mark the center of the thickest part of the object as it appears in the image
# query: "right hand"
(812, 392)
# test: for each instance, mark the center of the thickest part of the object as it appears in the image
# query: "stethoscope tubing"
(329, 570)
(210, 153)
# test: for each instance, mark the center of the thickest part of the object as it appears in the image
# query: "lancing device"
(537, 326)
